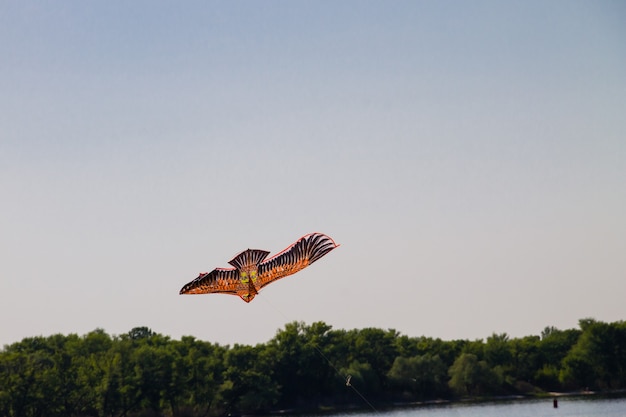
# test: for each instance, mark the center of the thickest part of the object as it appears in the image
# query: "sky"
(468, 157)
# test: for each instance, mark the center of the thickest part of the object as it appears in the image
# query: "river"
(567, 407)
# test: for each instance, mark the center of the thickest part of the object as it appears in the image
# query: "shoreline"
(381, 407)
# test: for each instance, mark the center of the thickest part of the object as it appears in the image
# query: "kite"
(252, 271)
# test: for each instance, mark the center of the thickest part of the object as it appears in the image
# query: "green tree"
(304, 365)
(139, 333)
(375, 347)
(469, 376)
(598, 359)
(419, 377)
(525, 360)
(363, 377)
(553, 347)
(120, 393)
(152, 375)
(144, 373)
(248, 384)
(447, 351)
(555, 344)
(196, 377)
(497, 351)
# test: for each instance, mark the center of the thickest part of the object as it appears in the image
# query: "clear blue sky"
(469, 157)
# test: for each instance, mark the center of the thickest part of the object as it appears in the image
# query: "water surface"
(567, 407)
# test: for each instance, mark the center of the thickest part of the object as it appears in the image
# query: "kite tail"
(249, 258)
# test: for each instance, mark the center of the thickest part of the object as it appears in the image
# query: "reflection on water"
(567, 407)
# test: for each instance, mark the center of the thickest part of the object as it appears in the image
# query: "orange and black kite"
(252, 271)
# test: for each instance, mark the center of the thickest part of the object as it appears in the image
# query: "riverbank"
(330, 410)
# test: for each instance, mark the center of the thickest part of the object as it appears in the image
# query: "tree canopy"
(303, 367)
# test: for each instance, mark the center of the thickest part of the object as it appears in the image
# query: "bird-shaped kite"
(252, 271)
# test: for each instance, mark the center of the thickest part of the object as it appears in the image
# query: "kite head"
(247, 297)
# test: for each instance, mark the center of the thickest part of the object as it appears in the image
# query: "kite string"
(347, 378)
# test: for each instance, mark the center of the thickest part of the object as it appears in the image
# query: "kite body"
(252, 271)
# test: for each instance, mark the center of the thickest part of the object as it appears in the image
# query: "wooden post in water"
(555, 403)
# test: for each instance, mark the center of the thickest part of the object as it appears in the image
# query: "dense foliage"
(143, 373)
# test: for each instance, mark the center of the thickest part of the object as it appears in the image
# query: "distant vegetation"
(304, 367)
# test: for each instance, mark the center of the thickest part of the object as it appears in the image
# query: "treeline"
(143, 373)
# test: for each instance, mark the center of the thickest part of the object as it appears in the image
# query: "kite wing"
(296, 257)
(219, 280)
